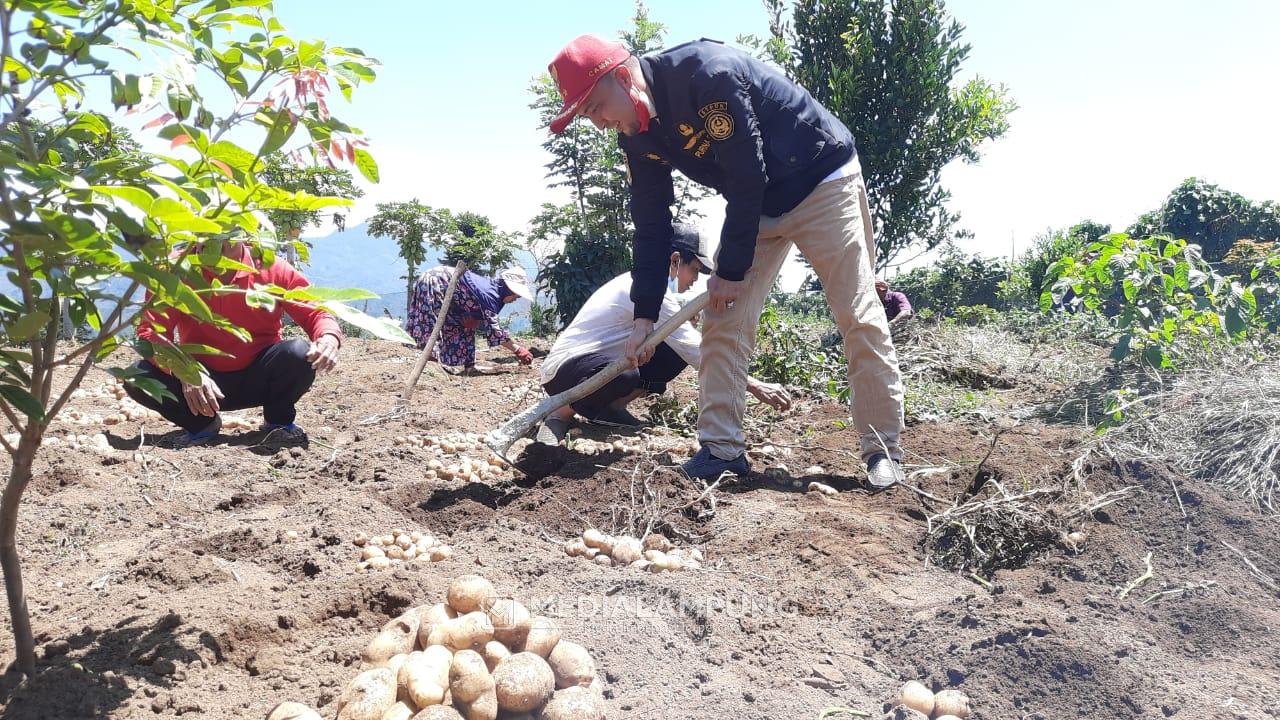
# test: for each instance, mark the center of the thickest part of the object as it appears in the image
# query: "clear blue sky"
(1120, 99)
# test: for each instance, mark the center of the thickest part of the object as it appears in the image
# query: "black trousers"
(653, 376)
(274, 381)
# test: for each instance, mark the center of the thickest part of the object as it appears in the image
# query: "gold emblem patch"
(685, 129)
(718, 120)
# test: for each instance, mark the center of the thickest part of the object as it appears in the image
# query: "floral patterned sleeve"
(495, 334)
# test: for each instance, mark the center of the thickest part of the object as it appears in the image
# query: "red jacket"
(263, 325)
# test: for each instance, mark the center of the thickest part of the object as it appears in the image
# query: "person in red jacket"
(264, 371)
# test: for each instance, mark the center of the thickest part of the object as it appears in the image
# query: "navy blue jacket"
(734, 124)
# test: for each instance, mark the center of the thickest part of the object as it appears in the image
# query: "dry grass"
(1220, 424)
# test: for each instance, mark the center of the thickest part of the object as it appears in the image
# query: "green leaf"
(178, 217)
(24, 401)
(366, 165)
(281, 129)
(383, 328)
(135, 196)
(27, 326)
(321, 294)
(233, 155)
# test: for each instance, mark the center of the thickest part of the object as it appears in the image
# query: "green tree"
(414, 227)
(1210, 217)
(156, 220)
(476, 242)
(1029, 274)
(887, 68)
(296, 173)
(955, 280)
(585, 243)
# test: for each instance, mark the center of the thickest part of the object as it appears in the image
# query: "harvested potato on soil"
(469, 676)
(468, 631)
(396, 638)
(484, 707)
(371, 694)
(571, 664)
(951, 702)
(542, 637)
(917, 697)
(438, 712)
(425, 675)
(523, 682)
(494, 652)
(470, 593)
(399, 711)
(575, 703)
(292, 711)
(399, 547)
(626, 551)
(510, 622)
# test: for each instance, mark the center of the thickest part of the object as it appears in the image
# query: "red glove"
(524, 356)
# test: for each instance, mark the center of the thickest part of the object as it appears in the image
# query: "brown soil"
(165, 587)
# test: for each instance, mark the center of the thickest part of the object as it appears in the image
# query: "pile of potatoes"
(519, 392)
(655, 554)
(469, 658)
(946, 704)
(397, 547)
(124, 409)
(466, 469)
(587, 446)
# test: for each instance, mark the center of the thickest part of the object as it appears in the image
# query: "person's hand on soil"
(203, 399)
(723, 292)
(775, 396)
(524, 356)
(640, 330)
(323, 354)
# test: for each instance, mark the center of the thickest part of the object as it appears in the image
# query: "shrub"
(955, 280)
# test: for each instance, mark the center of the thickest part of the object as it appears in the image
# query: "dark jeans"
(653, 376)
(274, 381)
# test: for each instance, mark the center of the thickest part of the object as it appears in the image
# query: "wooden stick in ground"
(500, 440)
(435, 334)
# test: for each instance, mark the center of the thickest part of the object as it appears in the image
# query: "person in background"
(598, 333)
(897, 308)
(263, 371)
(476, 302)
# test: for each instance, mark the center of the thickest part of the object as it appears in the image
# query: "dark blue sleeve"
(724, 101)
(652, 195)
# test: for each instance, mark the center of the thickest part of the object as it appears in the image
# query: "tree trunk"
(408, 294)
(19, 476)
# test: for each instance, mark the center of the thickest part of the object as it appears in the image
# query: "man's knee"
(291, 360)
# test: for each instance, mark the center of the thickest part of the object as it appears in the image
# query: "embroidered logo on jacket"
(718, 120)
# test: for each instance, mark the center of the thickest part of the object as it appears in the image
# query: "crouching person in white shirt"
(598, 335)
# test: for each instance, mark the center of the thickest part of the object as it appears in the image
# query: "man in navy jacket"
(789, 174)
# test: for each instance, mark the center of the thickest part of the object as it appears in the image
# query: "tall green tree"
(888, 69)
(587, 242)
(414, 227)
(156, 220)
(296, 172)
(1211, 217)
(477, 242)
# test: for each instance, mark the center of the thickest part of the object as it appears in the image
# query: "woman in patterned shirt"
(476, 302)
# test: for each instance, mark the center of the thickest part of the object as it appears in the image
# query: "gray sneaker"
(706, 466)
(552, 431)
(883, 473)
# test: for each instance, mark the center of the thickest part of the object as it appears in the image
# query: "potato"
(572, 664)
(654, 556)
(395, 552)
(469, 593)
(510, 622)
(438, 712)
(397, 662)
(523, 682)
(951, 702)
(469, 676)
(472, 630)
(640, 565)
(594, 538)
(947, 717)
(575, 703)
(397, 637)
(440, 552)
(428, 617)
(425, 675)
(380, 562)
(575, 548)
(495, 652)
(399, 711)
(603, 559)
(823, 488)
(370, 552)
(591, 553)
(917, 697)
(369, 695)
(542, 637)
(360, 539)
(627, 550)
(292, 711)
(484, 707)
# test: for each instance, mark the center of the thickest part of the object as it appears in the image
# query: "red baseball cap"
(577, 68)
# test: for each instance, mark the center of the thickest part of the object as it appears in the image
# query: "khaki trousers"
(832, 228)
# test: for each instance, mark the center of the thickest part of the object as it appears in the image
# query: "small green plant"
(976, 315)
(1160, 295)
(668, 412)
(787, 356)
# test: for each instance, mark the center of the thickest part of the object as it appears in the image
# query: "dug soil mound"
(217, 581)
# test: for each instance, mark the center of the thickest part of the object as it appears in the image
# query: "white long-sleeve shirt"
(604, 323)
